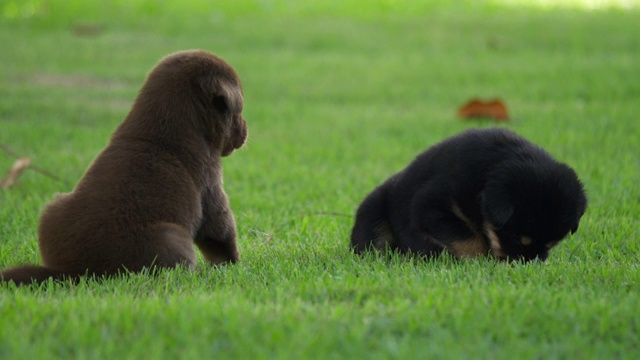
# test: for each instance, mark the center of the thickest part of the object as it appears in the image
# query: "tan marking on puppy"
(156, 189)
(526, 241)
(460, 215)
(494, 242)
(469, 248)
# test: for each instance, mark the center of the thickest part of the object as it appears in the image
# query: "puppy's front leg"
(216, 237)
(444, 222)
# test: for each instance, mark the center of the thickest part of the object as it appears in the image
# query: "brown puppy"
(157, 187)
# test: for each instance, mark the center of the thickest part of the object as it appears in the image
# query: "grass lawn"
(338, 97)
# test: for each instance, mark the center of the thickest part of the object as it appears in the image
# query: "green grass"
(338, 97)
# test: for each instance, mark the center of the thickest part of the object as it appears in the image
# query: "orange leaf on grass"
(15, 172)
(493, 109)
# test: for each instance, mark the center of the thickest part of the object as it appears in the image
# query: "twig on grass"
(7, 150)
(16, 170)
(325, 213)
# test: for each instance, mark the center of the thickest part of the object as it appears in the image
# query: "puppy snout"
(236, 137)
(243, 133)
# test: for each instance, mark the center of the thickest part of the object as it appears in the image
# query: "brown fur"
(157, 187)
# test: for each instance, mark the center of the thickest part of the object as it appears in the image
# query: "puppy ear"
(497, 208)
(223, 94)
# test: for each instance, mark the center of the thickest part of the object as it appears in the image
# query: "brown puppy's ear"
(224, 94)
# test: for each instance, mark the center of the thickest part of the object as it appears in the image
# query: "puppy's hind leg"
(216, 237)
(445, 224)
(172, 245)
(371, 229)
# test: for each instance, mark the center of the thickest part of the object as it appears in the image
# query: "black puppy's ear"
(497, 208)
(224, 94)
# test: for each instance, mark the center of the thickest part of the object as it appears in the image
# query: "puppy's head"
(222, 88)
(204, 89)
(529, 207)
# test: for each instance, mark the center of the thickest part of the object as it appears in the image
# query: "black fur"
(481, 192)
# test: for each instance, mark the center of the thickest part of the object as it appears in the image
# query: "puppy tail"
(28, 274)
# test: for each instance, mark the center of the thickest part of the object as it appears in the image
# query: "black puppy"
(481, 192)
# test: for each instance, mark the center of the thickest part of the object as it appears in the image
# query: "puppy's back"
(448, 179)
